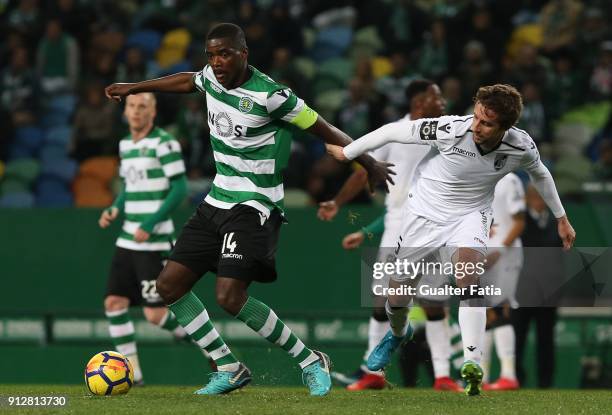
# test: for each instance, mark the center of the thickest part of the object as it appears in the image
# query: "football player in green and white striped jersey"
(234, 232)
(154, 184)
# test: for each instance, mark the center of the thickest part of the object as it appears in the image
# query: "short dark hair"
(502, 99)
(230, 31)
(416, 87)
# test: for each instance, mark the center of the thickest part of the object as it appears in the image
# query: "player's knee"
(154, 315)
(231, 301)
(167, 288)
(115, 303)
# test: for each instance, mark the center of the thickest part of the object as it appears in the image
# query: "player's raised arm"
(181, 82)
(423, 131)
(545, 185)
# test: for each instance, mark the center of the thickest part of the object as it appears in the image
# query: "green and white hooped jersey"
(147, 166)
(250, 133)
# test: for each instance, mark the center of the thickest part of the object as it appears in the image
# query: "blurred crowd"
(350, 59)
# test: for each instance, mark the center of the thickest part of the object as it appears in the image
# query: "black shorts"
(133, 275)
(232, 243)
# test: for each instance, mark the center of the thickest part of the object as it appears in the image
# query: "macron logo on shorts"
(229, 246)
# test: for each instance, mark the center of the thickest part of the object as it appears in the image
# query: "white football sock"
(438, 339)
(504, 346)
(485, 364)
(398, 319)
(472, 321)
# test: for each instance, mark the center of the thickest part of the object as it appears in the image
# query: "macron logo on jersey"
(464, 152)
(229, 244)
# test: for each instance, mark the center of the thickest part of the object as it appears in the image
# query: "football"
(109, 373)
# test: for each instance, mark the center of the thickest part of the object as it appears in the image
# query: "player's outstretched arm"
(378, 172)
(351, 187)
(181, 82)
(545, 185)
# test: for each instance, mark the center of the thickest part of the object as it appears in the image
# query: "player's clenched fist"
(118, 91)
(107, 216)
(327, 210)
(353, 240)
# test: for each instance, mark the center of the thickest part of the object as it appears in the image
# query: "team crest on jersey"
(428, 130)
(245, 104)
(143, 151)
(500, 161)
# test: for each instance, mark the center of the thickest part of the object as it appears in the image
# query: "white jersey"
(509, 200)
(458, 178)
(405, 159)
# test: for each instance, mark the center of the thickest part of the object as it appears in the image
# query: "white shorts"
(504, 274)
(422, 238)
(388, 241)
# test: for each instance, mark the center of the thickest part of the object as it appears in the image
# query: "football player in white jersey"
(504, 263)
(449, 205)
(426, 101)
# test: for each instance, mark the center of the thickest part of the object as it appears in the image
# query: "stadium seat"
(366, 42)
(52, 152)
(58, 135)
(18, 152)
(324, 83)
(572, 137)
(54, 119)
(29, 137)
(331, 43)
(173, 49)
(17, 200)
(339, 68)
(26, 170)
(305, 66)
(9, 186)
(91, 192)
(53, 192)
(1, 169)
(327, 103)
(64, 169)
(147, 40)
(102, 168)
(570, 171)
(63, 104)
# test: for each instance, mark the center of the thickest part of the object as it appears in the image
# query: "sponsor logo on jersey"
(446, 128)
(245, 105)
(464, 152)
(143, 151)
(500, 161)
(428, 130)
(133, 175)
(223, 125)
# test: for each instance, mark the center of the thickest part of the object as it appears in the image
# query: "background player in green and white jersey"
(234, 232)
(154, 184)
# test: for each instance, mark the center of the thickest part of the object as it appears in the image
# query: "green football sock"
(264, 321)
(121, 329)
(192, 315)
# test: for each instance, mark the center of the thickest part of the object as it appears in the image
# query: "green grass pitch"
(150, 400)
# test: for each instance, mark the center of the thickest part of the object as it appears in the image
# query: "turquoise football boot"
(317, 375)
(381, 355)
(224, 382)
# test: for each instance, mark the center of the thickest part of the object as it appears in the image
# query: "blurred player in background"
(153, 185)
(425, 101)
(504, 263)
(449, 205)
(235, 230)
